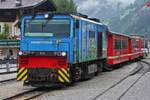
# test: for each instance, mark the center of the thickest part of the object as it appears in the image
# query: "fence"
(7, 62)
(8, 65)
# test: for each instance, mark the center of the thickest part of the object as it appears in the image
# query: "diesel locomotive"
(58, 48)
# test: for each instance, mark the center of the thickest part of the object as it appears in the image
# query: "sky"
(92, 6)
(125, 1)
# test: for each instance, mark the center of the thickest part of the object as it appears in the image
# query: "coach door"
(117, 48)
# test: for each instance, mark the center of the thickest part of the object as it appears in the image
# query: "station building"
(10, 12)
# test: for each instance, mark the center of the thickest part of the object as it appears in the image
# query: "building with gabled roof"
(10, 8)
(11, 11)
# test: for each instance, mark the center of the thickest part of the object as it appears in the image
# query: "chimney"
(18, 2)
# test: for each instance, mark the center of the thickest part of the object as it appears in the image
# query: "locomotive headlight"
(46, 15)
(63, 53)
(20, 53)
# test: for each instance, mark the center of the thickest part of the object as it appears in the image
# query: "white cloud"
(98, 8)
(124, 2)
(89, 4)
(127, 1)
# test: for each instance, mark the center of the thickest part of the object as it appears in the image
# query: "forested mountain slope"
(133, 19)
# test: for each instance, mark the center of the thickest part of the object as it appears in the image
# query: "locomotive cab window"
(50, 28)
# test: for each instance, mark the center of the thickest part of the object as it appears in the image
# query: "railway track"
(8, 72)
(32, 94)
(144, 70)
(141, 69)
(8, 81)
(9, 67)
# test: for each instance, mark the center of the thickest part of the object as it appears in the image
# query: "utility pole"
(7, 65)
(7, 61)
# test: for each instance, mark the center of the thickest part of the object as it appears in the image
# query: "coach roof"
(111, 32)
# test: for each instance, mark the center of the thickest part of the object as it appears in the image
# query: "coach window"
(146, 45)
(124, 44)
(143, 44)
(134, 44)
(117, 44)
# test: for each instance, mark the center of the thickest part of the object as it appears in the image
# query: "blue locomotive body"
(80, 42)
(48, 40)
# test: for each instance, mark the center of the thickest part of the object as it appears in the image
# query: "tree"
(6, 29)
(65, 5)
(5, 33)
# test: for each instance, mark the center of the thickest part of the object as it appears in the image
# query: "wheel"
(107, 67)
(78, 73)
(99, 69)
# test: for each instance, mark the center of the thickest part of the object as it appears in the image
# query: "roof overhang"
(10, 14)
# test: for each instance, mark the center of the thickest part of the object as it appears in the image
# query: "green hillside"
(133, 19)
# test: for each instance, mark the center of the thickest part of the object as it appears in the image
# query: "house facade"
(13, 30)
(10, 12)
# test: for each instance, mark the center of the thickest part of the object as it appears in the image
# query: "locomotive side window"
(75, 34)
(92, 34)
(91, 31)
(104, 40)
(92, 49)
(84, 41)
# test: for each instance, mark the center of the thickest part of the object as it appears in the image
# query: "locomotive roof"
(74, 15)
(120, 34)
(85, 19)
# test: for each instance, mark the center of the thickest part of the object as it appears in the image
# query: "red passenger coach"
(118, 48)
(136, 47)
(141, 46)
